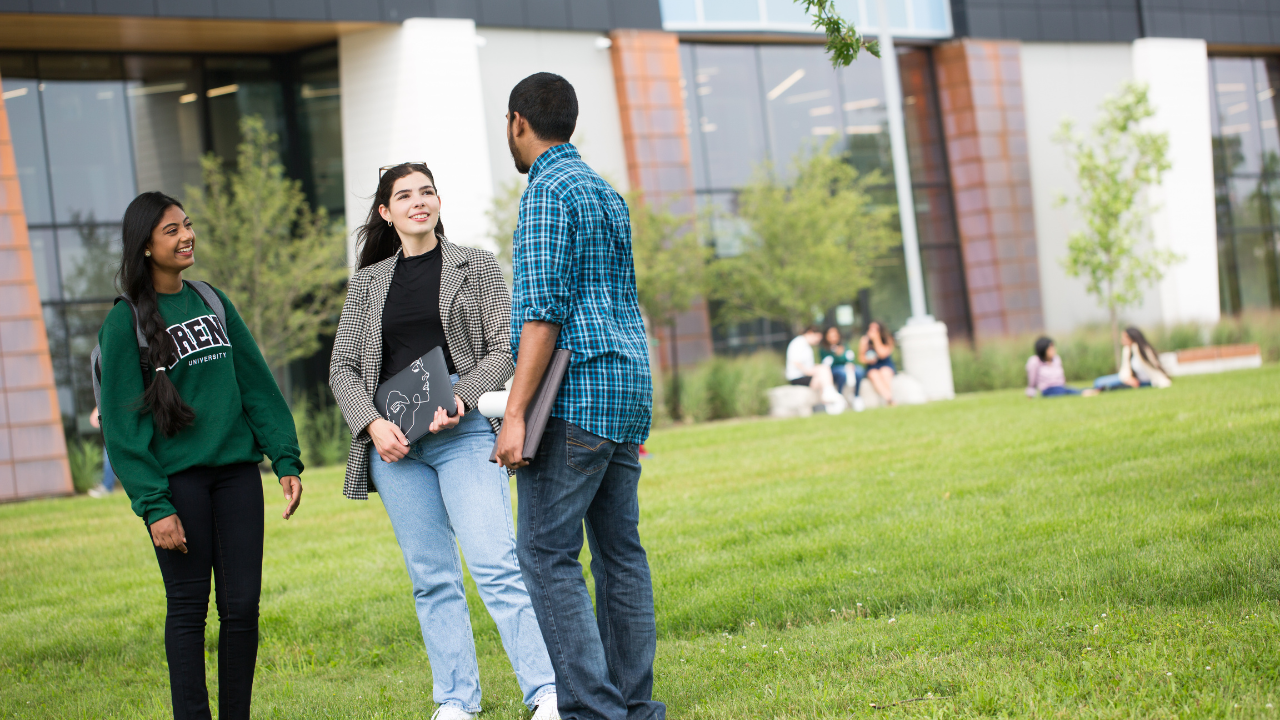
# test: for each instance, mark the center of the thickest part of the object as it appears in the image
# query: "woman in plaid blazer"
(415, 290)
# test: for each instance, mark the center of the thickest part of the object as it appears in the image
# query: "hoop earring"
(389, 223)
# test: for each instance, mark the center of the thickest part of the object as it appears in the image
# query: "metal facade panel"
(637, 14)
(126, 7)
(300, 10)
(502, 13)
(589, 15)
(401, 10)
(1237, 22)
(184, 8)
(243, 9)
(547, 14)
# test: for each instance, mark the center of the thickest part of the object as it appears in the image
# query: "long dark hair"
(886, 341)
(1149, 354)
(376, 240)
(169, 413)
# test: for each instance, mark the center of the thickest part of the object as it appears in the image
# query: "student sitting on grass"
(1045, 374)
(1139, 365)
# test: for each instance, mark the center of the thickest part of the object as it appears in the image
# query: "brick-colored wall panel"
(25, 371)
(30, 421)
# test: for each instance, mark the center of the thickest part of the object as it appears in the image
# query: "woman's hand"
(388, 440)
(442, 421)
(292, 486)
(167, 533)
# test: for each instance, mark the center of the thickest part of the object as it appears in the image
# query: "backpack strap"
(144, 358)
(206, 293)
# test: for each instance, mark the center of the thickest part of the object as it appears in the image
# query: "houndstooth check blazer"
(475, 310)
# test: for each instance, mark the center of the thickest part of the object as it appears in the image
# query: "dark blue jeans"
(603, 659)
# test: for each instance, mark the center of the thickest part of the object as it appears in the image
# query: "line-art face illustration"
(400, 408)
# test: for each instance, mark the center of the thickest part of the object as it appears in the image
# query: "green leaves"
(844, 42)
(670, 260)
(1114, 167)
(811, 244)
(281, 263)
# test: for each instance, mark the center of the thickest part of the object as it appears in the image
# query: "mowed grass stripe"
(994, 531)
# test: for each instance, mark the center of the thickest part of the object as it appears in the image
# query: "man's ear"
(519, 126)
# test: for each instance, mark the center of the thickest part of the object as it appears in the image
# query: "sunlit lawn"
(992, 556)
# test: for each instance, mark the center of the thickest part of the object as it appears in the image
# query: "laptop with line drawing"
(410, 398)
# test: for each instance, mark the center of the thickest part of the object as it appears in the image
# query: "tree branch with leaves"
(1114, 166)
(844, 42)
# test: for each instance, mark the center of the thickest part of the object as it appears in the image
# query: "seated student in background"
(1139, 365)
(1045, 374)
(840, 358)
(803, 369)
(876, 350)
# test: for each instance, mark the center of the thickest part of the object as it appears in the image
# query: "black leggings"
(221, 510)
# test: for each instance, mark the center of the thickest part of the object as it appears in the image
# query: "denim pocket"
(585, 452)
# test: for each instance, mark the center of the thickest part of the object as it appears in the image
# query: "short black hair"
(1042, 347)
(548, 102)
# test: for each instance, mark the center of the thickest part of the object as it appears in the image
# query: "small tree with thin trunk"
(282, 263)
(670, 263)
(1114, 166)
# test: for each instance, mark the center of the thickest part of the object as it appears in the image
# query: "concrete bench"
(787, 401)
(906, 391)
(1212, 359)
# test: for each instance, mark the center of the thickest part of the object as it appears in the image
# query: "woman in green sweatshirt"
(185, 428)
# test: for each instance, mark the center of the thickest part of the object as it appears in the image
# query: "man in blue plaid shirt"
(575, 288)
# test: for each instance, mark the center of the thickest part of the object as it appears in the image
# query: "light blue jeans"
(445, 492)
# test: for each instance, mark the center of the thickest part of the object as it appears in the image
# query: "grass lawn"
(993, 556)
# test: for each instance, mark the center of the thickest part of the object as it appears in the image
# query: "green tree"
(1114, 166)
(504, 216)
(844, 42)
(283, 264)
(670, 262)
(809, 245)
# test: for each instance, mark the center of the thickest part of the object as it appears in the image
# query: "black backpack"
(206, 293)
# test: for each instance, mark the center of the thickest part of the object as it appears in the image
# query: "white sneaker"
(547, 708)
(450, 712)
(858, 405)
(98, 492)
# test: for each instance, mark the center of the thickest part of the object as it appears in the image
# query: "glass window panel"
(731, 123)
(22, 103)
(786, 12)
(802, 97)
(730, 10)
(239, 87)
(688, 85)
(90, 159)
(80, 66)
(1254, 276)
(83, 321)
(925, 143)
(1249, 202)
(319, 98)
(889, 301)
(729, 232)
(930, 15)
(90, 257)
(1237, 114)
(164, 108)
(679, 11)
(866, 124)
(18, 65)
(56, 330)
(44, 255)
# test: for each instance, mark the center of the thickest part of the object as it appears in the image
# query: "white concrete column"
(412, 93)
(1177, 74)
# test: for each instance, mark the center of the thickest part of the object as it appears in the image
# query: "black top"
(411, 316)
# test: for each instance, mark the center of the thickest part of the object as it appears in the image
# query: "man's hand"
(167, 533)
(388, 440)
(442, 421)
(510, 443)
(537, 342)
(292, 486)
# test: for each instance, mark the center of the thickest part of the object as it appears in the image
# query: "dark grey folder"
(410, 398)
(539, 410)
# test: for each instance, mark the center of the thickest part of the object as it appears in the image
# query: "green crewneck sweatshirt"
(240, 413)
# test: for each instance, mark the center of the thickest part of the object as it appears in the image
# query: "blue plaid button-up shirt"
(571, 260)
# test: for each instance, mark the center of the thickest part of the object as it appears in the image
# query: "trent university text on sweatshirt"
(240, 413)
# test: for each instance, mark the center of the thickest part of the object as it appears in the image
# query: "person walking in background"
(415, 291)
(187, 434)
(575, 288)
(1045, 374)
(108, 483)
(1139, 365)
(875, 348)
(803, 369)
(842, 361)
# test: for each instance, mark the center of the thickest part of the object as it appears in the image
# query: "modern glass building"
(680, 100)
